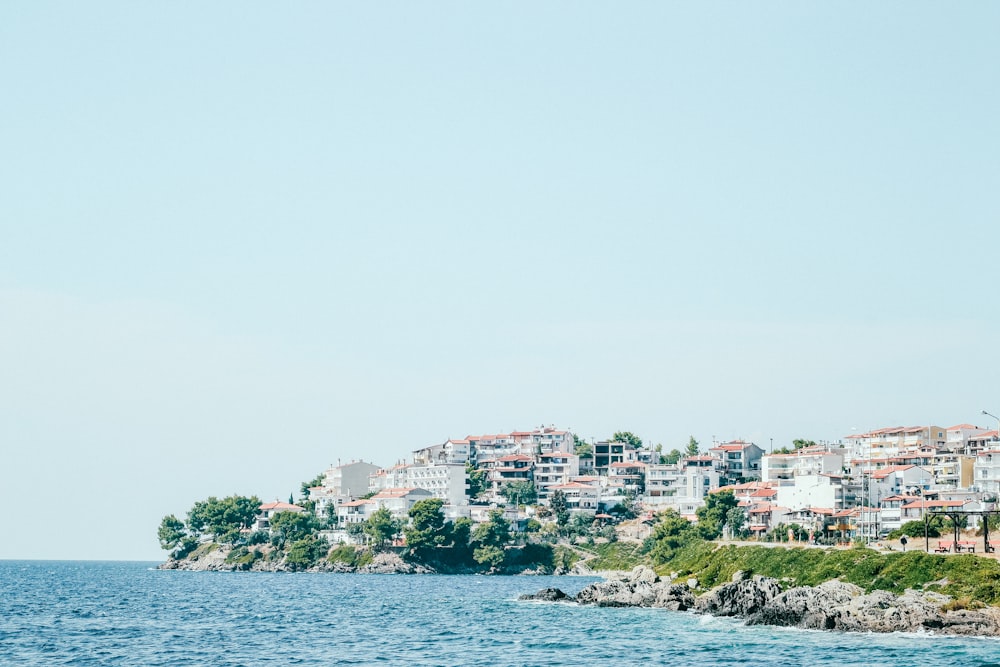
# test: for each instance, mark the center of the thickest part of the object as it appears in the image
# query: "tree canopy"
(713, 514)
(223, 519)
(381, 528)
(522, 492)
(628, 438)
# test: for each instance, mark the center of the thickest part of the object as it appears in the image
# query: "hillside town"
(862, 487)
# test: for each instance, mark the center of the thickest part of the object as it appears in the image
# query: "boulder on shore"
(639, 588)
(741, 597)
(547, 595)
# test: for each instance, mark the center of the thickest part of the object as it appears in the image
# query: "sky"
(240, 242)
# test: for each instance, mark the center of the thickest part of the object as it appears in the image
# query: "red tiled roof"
(280, 506)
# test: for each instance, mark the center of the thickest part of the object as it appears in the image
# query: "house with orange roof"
(741, 460)
(397, 501)
(580, 496)
(268, 510)
(957, 437)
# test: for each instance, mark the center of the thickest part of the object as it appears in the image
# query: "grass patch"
(967, 576)
(348, 555)
(203, 550)
(617, 556)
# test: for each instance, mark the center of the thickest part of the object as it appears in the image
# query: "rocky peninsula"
(832, 605)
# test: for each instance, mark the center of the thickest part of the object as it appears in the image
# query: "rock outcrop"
(742, 597)
(640, 588)
(833, 605)
(548, 595)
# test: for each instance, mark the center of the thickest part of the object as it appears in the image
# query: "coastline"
(832, 605)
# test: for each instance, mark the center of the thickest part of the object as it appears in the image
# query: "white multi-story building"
(807, 461)
(987, 472)
(555, 468)
(342, 483)
(542, 440)
(888, 442)
(740, 460)
(580, 496)
(957, 437)
(397, 501)
(388, 478)
(450, 451)
(447, 481)
(807, 491)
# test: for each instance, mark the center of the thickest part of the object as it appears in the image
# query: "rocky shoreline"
(216, 561)
(833, 605)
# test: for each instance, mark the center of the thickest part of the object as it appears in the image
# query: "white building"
(580, 496)
(342, 483)
(987, 472)
(555, 468)
(268, 510)
(450, 451)
(741, 460)
(806, 461)
(447, 481)
(807, 491)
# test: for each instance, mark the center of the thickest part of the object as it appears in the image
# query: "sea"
(126, 613)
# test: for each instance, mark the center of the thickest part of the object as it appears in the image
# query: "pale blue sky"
(240, 241)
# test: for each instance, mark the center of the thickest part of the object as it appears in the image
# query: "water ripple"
(129, 614)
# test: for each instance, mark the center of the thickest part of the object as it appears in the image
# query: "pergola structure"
(956, 517)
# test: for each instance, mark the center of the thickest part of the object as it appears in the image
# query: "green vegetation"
(349, 555)
(628, 438)
(959, 576)
(478, 480)
(616, 556)
(381, 528)
(521, 492)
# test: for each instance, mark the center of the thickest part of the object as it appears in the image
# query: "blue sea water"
(113, 613)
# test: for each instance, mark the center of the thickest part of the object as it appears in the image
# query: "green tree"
(671, 458)
(582, 448)
(292, 526)
(478, 480)
(306, 552)
(223, 519)
(427, 529)
(489, 539)
(671, 533)
(628, 438)
(712, 515)
(490, 556)
(171, 532)
(800, 443)
(381, 528)
(315, 481)
(736, 519)
(522, 492)
(495, 532)
(692, 447)
(557, 503)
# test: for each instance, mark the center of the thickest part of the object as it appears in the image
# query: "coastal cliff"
(832, 605)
